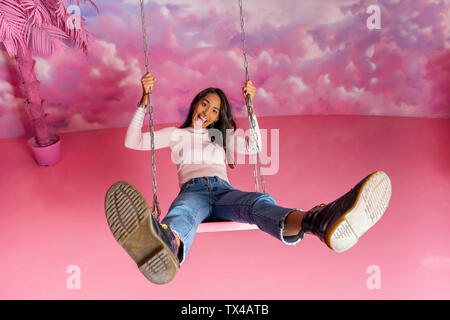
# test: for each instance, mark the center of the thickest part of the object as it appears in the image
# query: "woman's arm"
(137, 140)
(249, 145)
(134, 138)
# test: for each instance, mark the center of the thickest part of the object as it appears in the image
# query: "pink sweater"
(191, 149)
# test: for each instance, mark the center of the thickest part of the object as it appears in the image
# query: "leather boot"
(342, 222)
(150, 244)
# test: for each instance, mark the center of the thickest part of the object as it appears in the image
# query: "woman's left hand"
(249, 89)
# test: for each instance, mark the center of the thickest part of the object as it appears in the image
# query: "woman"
(199, 148)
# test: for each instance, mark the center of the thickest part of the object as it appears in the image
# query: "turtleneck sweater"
(192, 150)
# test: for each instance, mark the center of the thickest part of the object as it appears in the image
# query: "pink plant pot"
(46, 156)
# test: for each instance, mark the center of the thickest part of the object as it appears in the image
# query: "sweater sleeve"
(138, 140)
(248, 145)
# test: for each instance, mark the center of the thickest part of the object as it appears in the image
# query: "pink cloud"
(315, 62)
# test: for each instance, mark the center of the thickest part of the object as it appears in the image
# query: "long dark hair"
(224, 122)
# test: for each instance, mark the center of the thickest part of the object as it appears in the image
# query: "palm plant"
(33, 26)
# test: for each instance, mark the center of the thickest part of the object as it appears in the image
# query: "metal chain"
(250, 103)
(150, 111)
(244, 44)
(249, 106)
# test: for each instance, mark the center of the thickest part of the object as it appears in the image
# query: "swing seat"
(217, 225)
(223, 225)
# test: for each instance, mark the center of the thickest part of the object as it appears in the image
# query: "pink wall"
(383, 91)
(307, 57)
(53, 217)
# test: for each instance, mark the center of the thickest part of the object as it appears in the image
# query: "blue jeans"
(212, 198)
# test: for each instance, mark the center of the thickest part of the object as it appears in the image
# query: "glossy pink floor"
(53, 217)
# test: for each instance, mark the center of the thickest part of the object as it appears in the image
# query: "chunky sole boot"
(342, 222)
(151, 245)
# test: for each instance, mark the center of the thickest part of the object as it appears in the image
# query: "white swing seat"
(225, 226)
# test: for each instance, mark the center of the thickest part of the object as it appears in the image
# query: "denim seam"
(183, 239)
(188, 234)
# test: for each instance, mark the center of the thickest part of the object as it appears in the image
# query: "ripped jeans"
(212, 198)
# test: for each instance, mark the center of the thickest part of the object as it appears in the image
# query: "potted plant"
(33, 26)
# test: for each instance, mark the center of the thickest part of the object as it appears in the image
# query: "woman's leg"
(293, 223)
(186, 212)
(339, 223)
(260, 209)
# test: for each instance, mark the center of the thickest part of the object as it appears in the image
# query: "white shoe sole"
(370, 205)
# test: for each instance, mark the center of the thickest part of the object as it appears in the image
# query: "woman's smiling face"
(206, 111)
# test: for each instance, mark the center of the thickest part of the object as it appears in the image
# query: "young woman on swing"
(159, 249)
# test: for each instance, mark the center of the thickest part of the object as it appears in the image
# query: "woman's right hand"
(147, 81)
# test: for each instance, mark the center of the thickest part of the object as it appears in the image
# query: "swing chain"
(255, 139)
(249, 106)
(250, 103)
(155, 208)
(244, 43)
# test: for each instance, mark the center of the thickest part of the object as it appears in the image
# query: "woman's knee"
(265, 199)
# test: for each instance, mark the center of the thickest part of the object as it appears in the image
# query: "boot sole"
(369, 207)
(130, 221)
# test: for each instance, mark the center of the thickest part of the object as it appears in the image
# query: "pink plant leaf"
(36, 11)
(38, 23)
(12, 26)
(43, 40)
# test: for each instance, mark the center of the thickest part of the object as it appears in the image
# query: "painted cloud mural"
(305, 57)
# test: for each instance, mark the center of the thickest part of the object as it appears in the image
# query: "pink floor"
(53, 217)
